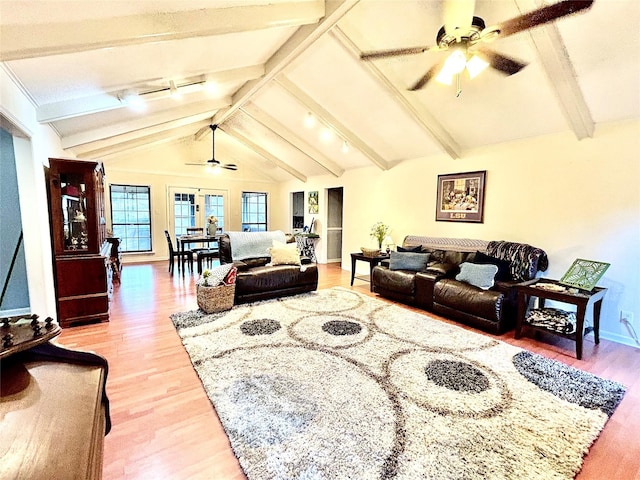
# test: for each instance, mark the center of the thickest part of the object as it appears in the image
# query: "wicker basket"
(216, 299)
(370, 252)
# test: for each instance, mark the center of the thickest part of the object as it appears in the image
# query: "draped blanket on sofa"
(253, 244)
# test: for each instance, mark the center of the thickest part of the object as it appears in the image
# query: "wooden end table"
(372, 261)
(581, 298)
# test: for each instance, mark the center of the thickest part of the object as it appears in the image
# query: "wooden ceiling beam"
(29, 40)
(262, 152)
(292, 139)
(53, 112)
(99, 149)
(327, 118)
(143, 126)
(562, 76)
(404, 98)
(290, 50)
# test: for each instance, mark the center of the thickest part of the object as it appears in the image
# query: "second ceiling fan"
(212, 161)
(462, 34)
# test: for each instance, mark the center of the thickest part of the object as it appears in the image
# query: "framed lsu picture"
(461, 197)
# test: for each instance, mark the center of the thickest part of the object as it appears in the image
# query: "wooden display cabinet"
(78, 232)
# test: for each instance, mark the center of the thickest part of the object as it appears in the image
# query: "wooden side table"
(581, 298)
(373, 261)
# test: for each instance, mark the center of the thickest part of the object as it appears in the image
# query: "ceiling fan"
(212, 161)
(463, 35)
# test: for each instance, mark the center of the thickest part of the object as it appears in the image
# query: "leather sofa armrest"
(425, 282)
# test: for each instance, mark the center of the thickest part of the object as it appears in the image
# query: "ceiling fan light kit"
(464, 36)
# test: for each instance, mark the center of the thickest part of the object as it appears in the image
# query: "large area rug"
(337, 385)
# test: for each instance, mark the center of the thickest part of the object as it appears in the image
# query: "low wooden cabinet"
(54, 412)
(78, 231)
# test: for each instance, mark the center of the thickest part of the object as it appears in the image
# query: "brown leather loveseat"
(257, 280)
(435, 287)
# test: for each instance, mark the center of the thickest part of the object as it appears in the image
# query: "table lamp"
(388, 241)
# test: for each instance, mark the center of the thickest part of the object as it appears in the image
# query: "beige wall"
(574, 199)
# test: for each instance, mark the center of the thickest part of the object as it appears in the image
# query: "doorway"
(190, 207)
(297, 211)
(334, 224)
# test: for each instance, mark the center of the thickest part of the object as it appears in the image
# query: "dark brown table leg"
(353, 269)
(521, 314)
(596, 320)
(579, 330)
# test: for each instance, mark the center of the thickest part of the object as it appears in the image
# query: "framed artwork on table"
(461, 197)
(313, 202)
(584, 274)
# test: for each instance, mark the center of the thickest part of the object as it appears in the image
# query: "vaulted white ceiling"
(257, 68)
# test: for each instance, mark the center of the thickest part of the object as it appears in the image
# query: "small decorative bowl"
(370, 252)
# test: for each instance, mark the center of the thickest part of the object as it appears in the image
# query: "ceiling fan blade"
(500, 62)
(198, 164)
(457, 16)
(230, 166)
(394, 52)
(540, 16)
(427, 76)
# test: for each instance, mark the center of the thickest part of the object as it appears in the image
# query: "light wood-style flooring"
(164, 426)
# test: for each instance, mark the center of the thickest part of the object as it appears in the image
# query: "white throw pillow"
(284, 254)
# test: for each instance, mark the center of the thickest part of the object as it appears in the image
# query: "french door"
(190, 207)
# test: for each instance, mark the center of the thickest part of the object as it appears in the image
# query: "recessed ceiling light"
(309, 120)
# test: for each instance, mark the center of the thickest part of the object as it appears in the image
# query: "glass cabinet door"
(74, 211)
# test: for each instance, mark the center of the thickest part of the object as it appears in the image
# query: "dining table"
(185, 240)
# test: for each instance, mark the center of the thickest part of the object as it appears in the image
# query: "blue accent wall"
(16, 296)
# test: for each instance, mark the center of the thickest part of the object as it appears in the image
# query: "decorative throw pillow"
(230, 279)
(416, 262)
(504, 267)
(284, 254)
(215, 276)
(415, 249)
(478, 275)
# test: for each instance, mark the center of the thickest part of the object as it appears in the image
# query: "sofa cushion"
(417, 248)
(478, 275)
(469, 299)
(504, 266)
(442, 268)
(415, 262)
(280, 277)
(397, 281)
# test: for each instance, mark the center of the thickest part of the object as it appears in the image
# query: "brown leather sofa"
(436, 289)
(258, 281)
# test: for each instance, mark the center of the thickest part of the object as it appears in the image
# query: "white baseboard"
(616, 337)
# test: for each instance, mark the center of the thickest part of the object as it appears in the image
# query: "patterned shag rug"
(337, 385)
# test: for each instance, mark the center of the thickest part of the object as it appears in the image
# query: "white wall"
(33, 145)
(574, 199)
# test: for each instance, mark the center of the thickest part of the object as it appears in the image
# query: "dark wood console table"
(372, 261)
(54, 413)
(581, 298)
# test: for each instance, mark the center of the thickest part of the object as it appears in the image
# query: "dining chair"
(181, 256)
(195, 231)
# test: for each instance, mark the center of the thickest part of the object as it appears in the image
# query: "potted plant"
(379, 231)
(212, 225)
